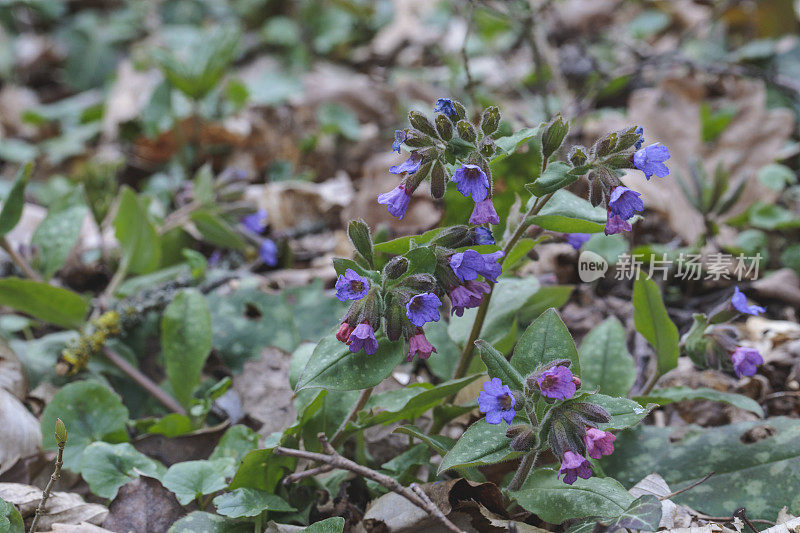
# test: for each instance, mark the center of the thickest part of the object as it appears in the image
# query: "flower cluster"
(745, 360)
(256, 224)
(449, 141)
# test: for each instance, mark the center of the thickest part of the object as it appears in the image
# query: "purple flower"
(363, 337)
(468, 296)
(745, 361)
(400, 137)
(640, 132)
(624, 203)
(351, 286)
(739, 302)
(445, 105)
(574, 466)
(576, 240)
(557, 383)
(615, 224)
(396, 201)
(268, 252)
(471, 180)
(650, 160)
(468, 265)
(255, 222)
(497, 402)
(418, 345)
(484, 213)
(599, 443)
(423, 308)
(410, 165)
(483, 236)
(215, 258)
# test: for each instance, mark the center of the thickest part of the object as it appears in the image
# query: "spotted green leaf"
(481, 444)
(652, 321)
(545, 340)
(605, 360)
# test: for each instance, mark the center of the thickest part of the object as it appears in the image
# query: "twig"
(741, 514)
(524, 468)
(311, 472)
(332, 458)
(431, 507)
(688, 487)
(338, 437)
(470, 86)
(146, 383)
(61, 440)
(19, 260)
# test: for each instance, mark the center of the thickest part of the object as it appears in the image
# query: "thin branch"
(146, 383)
(311, 472)
(338, 437)
(688, 487)
(53, 478)
(19, 260)
(332, 458)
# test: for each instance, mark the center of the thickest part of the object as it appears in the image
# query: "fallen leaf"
(143, 505)
(62, 507)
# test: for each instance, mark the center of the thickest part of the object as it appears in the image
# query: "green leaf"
(329, 525)
(191, 479)
(547, 339)
(209, 523)
(262, 469)
(171, 425)
(680, 394)
(554, 501)
(55, 305)
(216, 230)
(249, 502)
(11, 211)
(568, 213)
(60, 230)
(510, 144)
(556, 176)
(91, 412)
(421, 260)
(107, 467)
(498, 366)
(235, 444)
(443, 363)
(185, 341)
(545, 298)
(10, 519)
(137, 236)
(605, 361)
(643, 514)
(439, 443)
(401, 245)
(334, 366)
(755, 464)
(652, 321)
(481, 444)
(624, 413)
(509, 297)
(777, 176)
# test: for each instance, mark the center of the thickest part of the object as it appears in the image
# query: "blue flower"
(351, 286)
(445, 105)
(624, 203)
(268, 252)
(423, 308)
(468, 296)
(574, 466)
(577, 240)
(615, 224)
(396, 201)
(410, 165)
(497, 401)
(640, 132)
(739, 302)
(471, 180)
(483, 236)
(363, 336)
(255, 222)
(468, 265)
(484, 213)
(400, 137)
(746, 361)
(650, 160)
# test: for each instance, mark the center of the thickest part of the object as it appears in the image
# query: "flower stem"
(524, 468)
(53, 478)
(338, 437)
(469, 348)
(19, 260)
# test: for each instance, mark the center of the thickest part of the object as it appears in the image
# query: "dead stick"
(297, 476)
(688, 487)
(19, 260)
(331, 457)
(146, 383)
(61, 440)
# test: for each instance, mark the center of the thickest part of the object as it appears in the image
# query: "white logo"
(591, 266)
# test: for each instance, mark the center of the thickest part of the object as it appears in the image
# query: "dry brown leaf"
(26, 438)
(83, 527)
(62, 507)
(128, 97)
(783, 285)
(265, 391)
(143, 505)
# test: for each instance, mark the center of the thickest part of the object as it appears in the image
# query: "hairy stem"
(146, 383)
(469, 348)
(19, 260)
(524, 468)
(53, 478)
(338, 437)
